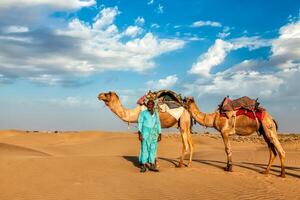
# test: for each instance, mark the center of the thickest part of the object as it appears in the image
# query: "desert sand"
(103, 165)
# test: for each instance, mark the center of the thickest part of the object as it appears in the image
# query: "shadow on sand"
(221, 165)
(133, 159)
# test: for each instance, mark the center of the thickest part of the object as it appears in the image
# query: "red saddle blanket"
(259, 114)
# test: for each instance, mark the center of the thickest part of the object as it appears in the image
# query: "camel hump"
(240, 103)
(172, 99)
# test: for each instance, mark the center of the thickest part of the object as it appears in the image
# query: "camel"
(112, 100)
(243, 126)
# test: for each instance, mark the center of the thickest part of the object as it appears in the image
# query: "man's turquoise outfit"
(149, 126)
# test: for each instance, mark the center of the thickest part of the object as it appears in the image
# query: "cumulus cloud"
(133, 31)
(54, 56)
(239, 83)
(165, 83)
(140, 21)
(206, 23)
(214, 56)
(66, 4)
(272, 78)
(217, 53)
(105, 18)
(225, 33)
(16, 29)
(286, 48)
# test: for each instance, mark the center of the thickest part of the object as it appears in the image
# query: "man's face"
(150, 105)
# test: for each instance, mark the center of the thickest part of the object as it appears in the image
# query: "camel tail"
(275, 124)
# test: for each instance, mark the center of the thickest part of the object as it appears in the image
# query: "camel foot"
(228, 168)
(179, 165)
(282, 175)
(189, 165)
(266, 172)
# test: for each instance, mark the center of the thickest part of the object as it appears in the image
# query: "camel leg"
(281, 153)
(272, 152)
(184, 147)
(270, 132)
(225, 136)
(191, 147)
(271, 159)
(185, 124)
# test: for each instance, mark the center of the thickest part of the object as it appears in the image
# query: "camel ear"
(108, 96)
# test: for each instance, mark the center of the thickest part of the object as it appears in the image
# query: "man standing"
(149, 134)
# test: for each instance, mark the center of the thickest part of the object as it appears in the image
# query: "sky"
(57, 56)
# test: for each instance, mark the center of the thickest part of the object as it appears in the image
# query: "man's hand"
(159, 137)
(140, 136)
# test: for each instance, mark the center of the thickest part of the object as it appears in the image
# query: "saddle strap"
(256, 119)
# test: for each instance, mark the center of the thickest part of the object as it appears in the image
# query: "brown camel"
(112, 100)
(243, 126)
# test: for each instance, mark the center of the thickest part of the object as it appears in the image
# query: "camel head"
(188, 101)
(107, 97)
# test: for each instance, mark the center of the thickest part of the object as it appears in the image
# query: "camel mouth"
(189, 100)
(102, 97)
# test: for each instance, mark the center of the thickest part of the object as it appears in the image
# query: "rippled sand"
(103, 165)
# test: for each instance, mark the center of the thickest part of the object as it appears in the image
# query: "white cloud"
(242, 83)
(81, 49)
(155, 25)
(214, 56)
(165, 83)
(275, 78)
(286, 48)
(225, 33)
(70, 101)
(217, 53)
(206, 23)
(133, 31)
(105, 18)
(16, 39)
(66, 4)
(140, 21)
(16, 29)
(250, 42)
(160, 9)
(150, 2)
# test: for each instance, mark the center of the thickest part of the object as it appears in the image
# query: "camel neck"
(205, 119)
(127, 115)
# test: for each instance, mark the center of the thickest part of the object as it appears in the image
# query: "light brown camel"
(243, 126)
(112, 100)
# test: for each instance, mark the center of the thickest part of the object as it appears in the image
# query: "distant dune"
(103, 165)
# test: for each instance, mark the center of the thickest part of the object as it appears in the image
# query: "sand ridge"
(103, 165)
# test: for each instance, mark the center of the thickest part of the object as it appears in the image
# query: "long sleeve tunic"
(150, 128)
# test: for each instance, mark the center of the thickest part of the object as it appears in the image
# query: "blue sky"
(55, 57)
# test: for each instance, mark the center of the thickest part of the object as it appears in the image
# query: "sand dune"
(103, 165)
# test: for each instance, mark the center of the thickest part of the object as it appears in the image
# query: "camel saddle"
(243, 106)
(168, 97)
(240, 103)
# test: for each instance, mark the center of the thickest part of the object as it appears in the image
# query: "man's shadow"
(133, 159)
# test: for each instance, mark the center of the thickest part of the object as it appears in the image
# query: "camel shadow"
(133, 159)
(251, 166)
(278, 168)
(172, 161)
(222, 165)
